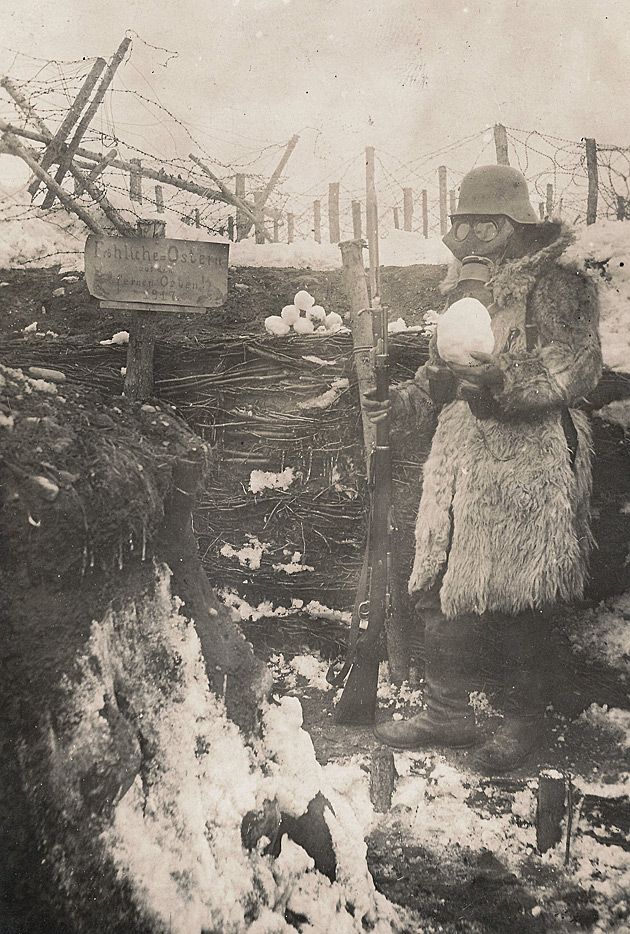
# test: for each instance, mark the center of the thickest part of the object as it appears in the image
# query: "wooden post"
(230, 227)
(382, 779)
(142, 330)
(425, 214)
(443, 195)
(501, 144)
(253, 215)
(276, 227)
(106, 80)
(549, 200)
(356, 220)
(55, 145)
(551, 808)
(452, 202)
(197, 218)
(593, 180)
(159, 199)
(361, 326)
(317, 221)
(396, 219)
(541, 210)
(239, 190)
(259, 223)
(371, 222)
(99, 168)
(334, 231)
(621, 208)
(290, 228)
(407, 209)
(135, 182)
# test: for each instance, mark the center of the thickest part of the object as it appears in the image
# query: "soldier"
(502, 534)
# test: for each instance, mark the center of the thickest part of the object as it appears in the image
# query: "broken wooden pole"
(317, 221)
(382, 779)
(501, 144)
(135, 181)
(68, 202)
(142, 331)
(551, 809)
(106, 80)
(55, 145)
(94, 173)
(334, 231)
(593, 180)
(407, 209)
(159, 199)
(235, 199)
(425, 214)
(443, 196)
(356, 220)
(371, 222)
(290, 228)
(277, 172)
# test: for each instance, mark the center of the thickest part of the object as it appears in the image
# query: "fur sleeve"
(567, 365)
(412, 402)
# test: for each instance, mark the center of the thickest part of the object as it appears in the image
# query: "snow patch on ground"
(249, 556)
(260, 480)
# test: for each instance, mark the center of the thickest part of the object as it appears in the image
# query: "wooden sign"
(156, 274)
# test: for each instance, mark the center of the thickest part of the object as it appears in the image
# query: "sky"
(407, 76)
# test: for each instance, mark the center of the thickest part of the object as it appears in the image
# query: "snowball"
(290, 314)
(303, 300)
(275, 325)
(303, 326)
(333, 321)
(316, 314)
(464, 327)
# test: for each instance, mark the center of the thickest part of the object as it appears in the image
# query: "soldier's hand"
(485, 373)
(375, 409)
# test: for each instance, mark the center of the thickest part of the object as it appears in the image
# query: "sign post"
(150, 275)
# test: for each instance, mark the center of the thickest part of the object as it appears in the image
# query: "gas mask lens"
(483, 230)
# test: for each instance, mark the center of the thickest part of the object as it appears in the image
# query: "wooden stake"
(159, 199)
(593, 180)
(621, 208)
(54, 147)
(407, 209)
(371, 222)
(501, 144)
(396, 219)
(106, 80)
(317, 221)
(334, 231)
(273, 181)
(549, 202)
(452, 202)
(425, 214)
(382, 779)
(550, 812)
(230, 227)
(241, 216)
(290, 228)
(28, 157)
(142, 331)
(443, 193)
(356, 220)
(276, 228)
(541, 210)
(235, 199)
(135, 182)
(361, 326)
(259, 223)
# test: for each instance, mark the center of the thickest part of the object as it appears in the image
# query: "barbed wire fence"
(573, 179)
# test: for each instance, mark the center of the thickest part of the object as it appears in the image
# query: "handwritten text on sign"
(163, 272)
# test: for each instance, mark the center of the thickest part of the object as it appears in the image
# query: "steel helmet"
(496, 189)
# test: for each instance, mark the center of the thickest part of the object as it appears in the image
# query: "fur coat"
(503, 522)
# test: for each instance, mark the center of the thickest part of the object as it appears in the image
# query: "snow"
(120, 338)
(327, 398)
(249, 556)
(464, 328)
(260, 480)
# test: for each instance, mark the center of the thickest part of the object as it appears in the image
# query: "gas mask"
(479, 235)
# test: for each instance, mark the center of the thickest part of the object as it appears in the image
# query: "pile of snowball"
(304, 317)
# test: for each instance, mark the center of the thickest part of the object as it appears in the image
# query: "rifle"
(373, 603)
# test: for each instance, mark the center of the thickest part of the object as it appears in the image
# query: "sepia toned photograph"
(315, 467)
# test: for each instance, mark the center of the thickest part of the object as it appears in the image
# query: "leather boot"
(448, 720)
(524, 640)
